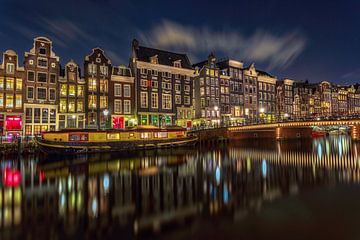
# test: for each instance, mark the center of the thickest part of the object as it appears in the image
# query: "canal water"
(305, 189)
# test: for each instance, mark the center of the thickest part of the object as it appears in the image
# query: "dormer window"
(177, 63)
(42, 51)
(154, 59)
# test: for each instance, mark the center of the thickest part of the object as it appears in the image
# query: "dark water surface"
(305, 189)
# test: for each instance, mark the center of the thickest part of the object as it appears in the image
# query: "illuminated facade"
(11, 95)
(250, 90)
(284, 99)
(71, 94)
(164, 90)
(266, 97)
(122, 93)
(41, 80)
(97, 75)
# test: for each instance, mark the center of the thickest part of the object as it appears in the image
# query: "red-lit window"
(118, 122)
(11, 177)
(13, 123)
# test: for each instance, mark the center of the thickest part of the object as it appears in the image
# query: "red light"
(41, 176)
(13, 123)
(148, 83)
(12, 178)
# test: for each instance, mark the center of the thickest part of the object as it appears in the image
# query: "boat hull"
(55, 147)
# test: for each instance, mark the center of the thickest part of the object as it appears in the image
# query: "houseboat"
(92, 141)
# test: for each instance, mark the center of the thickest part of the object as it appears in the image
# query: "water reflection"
(162, 191)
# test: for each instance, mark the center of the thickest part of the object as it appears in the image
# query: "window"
(63, 90)
(154, 72)
(42, 62)
(103, 85)
(127, 106)
(10, 84)
(18, 102)
(80, 90)
(52, 94)
(45, 115)
(127, 90)
(42, 51)
(9, 101)
(41, 77)
(1, 100)
(177, 76)
(92, 101)
(187, 88)
(104, 70)
(80, 106)
(103, 102)
(117, 106)
(18, 84)
(92, 68)
(143, 99)
(143, 71)
(52, 78)
(177, 87)
(154, 84)
(187, 100)
(10, 68)
(154, 100)
(30, 93)
(177, 64)
(41, 93)
(28, 115)
(92, 84)
(177, 99)
(72, 90)
(30, 76)
(37, 115)
(71, 105)
(117, 90)
(166, 101)
(143, 82)
(1, 83)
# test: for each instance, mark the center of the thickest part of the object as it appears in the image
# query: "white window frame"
(37, 77)
(117, 86)
(11, 67)
(50, 89)
(144, 94)
(156, 105)
(125, 92)
(37, 93)
(27, 89)
(129, 103)
(164, 96)
(117, 101)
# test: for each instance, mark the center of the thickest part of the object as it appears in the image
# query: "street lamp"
(216, 108)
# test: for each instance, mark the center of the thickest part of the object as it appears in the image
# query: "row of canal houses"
(157, 87)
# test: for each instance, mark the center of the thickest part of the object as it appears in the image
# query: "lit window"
(9, 101)
(80, 92)
(178, 99)
(92, 68)
(92, 101)
(72, 76)
(62, 105)
(92, 84)
(18, 102)
(18, 84)
(103, 85)
(71, 105)
(1, 100)
(10, 84)
(63, 90)
(1, 83)
(72, 90)
(103, 102)
(80, 106)
(127, 90)
(104, 70)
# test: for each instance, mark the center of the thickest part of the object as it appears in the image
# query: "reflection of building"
(97, 71)
(122, 91)
(40, 104)
(11, 95)
(164, 88)
(71, 98)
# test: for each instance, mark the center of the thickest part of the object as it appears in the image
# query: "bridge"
(281, 130)
(296, 129)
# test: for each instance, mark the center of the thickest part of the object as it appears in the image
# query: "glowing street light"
(106, 112)
(262, 110)
(216, 108)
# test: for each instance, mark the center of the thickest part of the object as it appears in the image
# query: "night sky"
(314, 40)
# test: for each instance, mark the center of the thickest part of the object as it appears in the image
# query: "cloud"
(353, 75)
(115, 58)
(278, 51)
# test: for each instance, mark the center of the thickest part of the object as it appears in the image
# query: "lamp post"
(106, 113)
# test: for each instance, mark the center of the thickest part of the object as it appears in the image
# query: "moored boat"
(92, 141)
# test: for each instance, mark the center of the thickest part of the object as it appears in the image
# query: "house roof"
(164, 57)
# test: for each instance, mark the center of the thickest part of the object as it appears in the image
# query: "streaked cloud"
(277, 51)
(116, 59)
(352, 75)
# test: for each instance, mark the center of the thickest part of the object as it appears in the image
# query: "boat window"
(76, 137)
(161, 135)
(145, 135)
(131, 135)
(113, 136)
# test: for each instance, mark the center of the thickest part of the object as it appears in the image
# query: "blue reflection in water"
(217, 175)
(319, 151)
(226, 194)
(106, 182)
(264, 168)
(94, 206)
